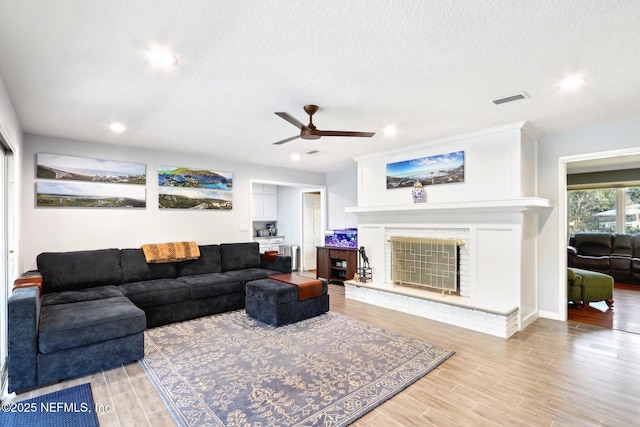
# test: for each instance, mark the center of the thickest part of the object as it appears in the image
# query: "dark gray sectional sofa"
(95, 305)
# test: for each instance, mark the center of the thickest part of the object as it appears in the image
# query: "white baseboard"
(550, 315)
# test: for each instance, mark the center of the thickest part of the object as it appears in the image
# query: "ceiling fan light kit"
(310, 132)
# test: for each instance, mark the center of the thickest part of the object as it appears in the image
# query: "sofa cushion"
(213, 285)
(249, 274)
(599, 264)
(623, 244)
(64, 271)
(75, 324)
(636, 246)
(156, 292)
(209, 262)
(594, 244)
(238, 256)
(136, 269)
(87, 294)
(622, 263)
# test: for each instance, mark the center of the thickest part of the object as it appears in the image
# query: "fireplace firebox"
(431, 263)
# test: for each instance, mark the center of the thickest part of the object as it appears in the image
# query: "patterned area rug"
(232, 370)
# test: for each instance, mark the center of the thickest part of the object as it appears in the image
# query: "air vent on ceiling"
(510, 98)
(312, 152)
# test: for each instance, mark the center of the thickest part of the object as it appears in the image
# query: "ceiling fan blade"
(297, 123)
(284, 141)
(346, 133)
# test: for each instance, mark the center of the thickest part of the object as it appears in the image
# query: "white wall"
(342, 192)
(493, 169)
(553, 152)
(9, 126)
(67, 229)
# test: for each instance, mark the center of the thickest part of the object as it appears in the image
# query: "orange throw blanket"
(307, 288)
(270, 256)
(156, 253)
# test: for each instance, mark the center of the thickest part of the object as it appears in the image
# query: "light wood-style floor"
(551, 374)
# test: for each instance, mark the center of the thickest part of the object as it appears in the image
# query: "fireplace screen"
(425, 262)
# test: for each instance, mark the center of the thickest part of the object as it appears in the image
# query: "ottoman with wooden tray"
(286, 298)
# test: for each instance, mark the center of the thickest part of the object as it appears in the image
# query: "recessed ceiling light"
(572, 83)
(390, 130)
(117, 127)
(161, 57)
(295, 157)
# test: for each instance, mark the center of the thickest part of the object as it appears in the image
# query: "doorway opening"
(291, 206)
(312, 228)
(599, 197)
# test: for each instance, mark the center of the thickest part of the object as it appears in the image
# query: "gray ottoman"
(276, 303)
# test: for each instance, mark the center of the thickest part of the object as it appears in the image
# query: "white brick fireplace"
(494, 213)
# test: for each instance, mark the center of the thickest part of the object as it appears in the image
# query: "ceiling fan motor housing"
(309, 134)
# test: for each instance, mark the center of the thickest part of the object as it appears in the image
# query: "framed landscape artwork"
(187, 188)
(84, 182)
(51, 166)
(432, 170)
(89, 195)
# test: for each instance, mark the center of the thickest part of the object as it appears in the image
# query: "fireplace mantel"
(500, 259)
(506, 206)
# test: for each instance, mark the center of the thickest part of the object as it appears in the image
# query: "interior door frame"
(323, 220)
(563, 209)
(312, 188)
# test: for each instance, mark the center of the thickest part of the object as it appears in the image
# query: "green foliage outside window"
(595, 210)
(588, 210)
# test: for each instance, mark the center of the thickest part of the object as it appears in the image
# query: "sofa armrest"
(23, 316)
(573, 278)
(572, 252)
(31, 278)
(282, 263)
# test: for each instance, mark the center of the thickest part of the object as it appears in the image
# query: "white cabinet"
(269, 207)
(275, 242)
(269, 243)
(264, 243)
(264, 202)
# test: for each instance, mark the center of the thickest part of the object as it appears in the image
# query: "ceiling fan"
(311, 132)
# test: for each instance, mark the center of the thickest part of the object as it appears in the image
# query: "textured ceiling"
(427, 67)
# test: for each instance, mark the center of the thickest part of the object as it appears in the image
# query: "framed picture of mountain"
(189, 188)
(54, 166)
(440, 169)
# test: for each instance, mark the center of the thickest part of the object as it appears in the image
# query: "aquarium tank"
(347, 238)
